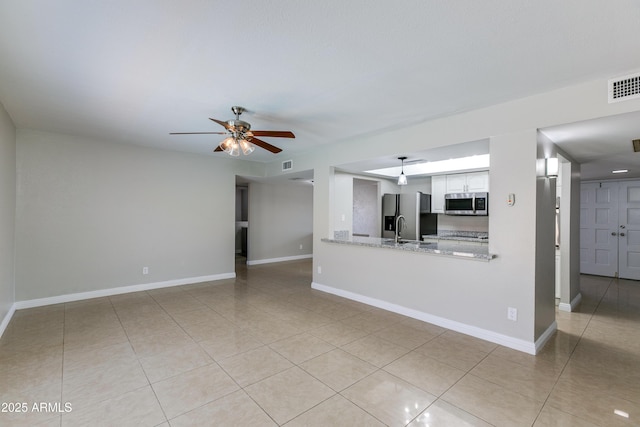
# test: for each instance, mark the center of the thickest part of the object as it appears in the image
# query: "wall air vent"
(624, 88)
(287, 165)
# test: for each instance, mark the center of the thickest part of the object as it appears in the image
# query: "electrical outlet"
(145, 270)
(512, 314)
(319, 270)
(300, 247)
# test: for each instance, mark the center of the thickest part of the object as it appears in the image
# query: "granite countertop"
(441, 248)
(469, 236)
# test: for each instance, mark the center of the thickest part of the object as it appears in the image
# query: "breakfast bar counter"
(442, 247)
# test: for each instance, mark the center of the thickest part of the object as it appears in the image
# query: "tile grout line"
(166, 419)
(354, 403)
(213, 361)
(468, 372)
(564, 367)
(401, 379)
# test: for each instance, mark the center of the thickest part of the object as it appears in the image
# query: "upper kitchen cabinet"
(471, 182)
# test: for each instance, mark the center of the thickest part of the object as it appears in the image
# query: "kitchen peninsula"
(443, 247)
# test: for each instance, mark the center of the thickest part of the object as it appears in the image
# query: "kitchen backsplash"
(463, 223)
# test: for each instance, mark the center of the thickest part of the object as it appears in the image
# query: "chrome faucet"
(398, 226)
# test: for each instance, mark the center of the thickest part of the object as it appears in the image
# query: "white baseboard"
(474, 331)
(120, 290)
(563, 306)
(7, 319)
(546, 335)
(287, 258)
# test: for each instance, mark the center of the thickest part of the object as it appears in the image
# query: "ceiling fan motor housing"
(239, 125)
(237, 110)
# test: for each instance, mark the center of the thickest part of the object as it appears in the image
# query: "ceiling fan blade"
(221, 123)
(273, 133)
(197, 133)
(264, 145)
(218, 149)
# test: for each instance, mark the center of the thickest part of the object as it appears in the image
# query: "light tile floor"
(265, 349)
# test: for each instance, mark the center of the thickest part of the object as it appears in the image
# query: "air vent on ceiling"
(636, 145)
(624, 88)
(287, 165)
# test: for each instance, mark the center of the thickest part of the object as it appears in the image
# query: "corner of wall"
(7, 217)
(545, 239)
(7, 318)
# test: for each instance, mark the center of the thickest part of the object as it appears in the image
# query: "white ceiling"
(133, 71)
(601, 145)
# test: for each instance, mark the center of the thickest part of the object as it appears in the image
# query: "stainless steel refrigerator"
(415, 208)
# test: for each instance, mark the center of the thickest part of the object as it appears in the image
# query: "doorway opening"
(242, 223)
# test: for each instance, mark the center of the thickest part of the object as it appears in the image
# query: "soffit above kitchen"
(388, 167)
(330, 71)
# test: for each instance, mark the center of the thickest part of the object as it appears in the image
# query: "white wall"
(280, 220)
(92, 214)
(7, 215)
(422, 184)
(342, 206)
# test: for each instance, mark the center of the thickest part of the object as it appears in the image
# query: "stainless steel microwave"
(466, 204)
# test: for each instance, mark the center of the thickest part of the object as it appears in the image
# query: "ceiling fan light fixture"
(246, 146)
(235, 149)
(227, 144)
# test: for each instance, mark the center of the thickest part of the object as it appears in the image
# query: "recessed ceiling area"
(455, 151)
(601, 145)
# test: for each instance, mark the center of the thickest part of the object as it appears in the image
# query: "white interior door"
(629, 230)
(599, 228)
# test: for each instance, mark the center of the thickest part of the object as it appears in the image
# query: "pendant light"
(402, 179)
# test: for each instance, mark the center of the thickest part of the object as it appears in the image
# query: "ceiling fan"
(241, 137)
